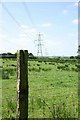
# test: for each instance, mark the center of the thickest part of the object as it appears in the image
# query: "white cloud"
(46, 25)
(75, 35)
(75, 21)
(26, 29)
(5, 43)
(28, 32)
(2, 36)
(24, 26)
(77, 4)
(65, 12)
(24, 40)
(32, 30)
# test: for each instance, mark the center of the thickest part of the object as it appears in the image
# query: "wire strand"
(29, 14)
(10, 14)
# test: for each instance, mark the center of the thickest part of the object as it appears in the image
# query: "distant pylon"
(39, 45)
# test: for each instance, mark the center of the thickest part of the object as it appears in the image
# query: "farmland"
(53, 88)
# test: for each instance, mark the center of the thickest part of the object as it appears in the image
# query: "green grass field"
(53, 89)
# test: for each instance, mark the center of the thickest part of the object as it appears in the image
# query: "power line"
(29, 14)
(10, 14)
(39, 51)
(39, 45)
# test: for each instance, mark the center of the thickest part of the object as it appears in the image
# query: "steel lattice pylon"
(39, 45)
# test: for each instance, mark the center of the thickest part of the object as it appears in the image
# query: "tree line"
(11, 55)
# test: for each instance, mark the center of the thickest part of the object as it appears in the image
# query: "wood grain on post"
(22, 85)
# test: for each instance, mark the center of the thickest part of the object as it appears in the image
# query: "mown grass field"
(53, 89)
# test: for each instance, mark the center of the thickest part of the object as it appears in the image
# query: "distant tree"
(16, 54)
(77, 57)
(9, 53)
(78, 50)
(72, 57)
(30, 55)
(3, 53)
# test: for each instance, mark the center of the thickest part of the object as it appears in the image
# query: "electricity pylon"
(39, 45)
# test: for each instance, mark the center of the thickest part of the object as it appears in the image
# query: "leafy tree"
(72, 57)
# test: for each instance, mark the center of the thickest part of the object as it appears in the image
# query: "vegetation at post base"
(53, 85)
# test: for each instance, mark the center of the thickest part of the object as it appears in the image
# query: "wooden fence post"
(22, 85)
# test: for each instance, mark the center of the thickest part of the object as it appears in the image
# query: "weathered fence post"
(22, 85)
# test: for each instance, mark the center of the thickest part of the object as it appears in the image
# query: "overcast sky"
(56, 21)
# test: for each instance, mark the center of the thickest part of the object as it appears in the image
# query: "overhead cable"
(10, 14)
(29, 14)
